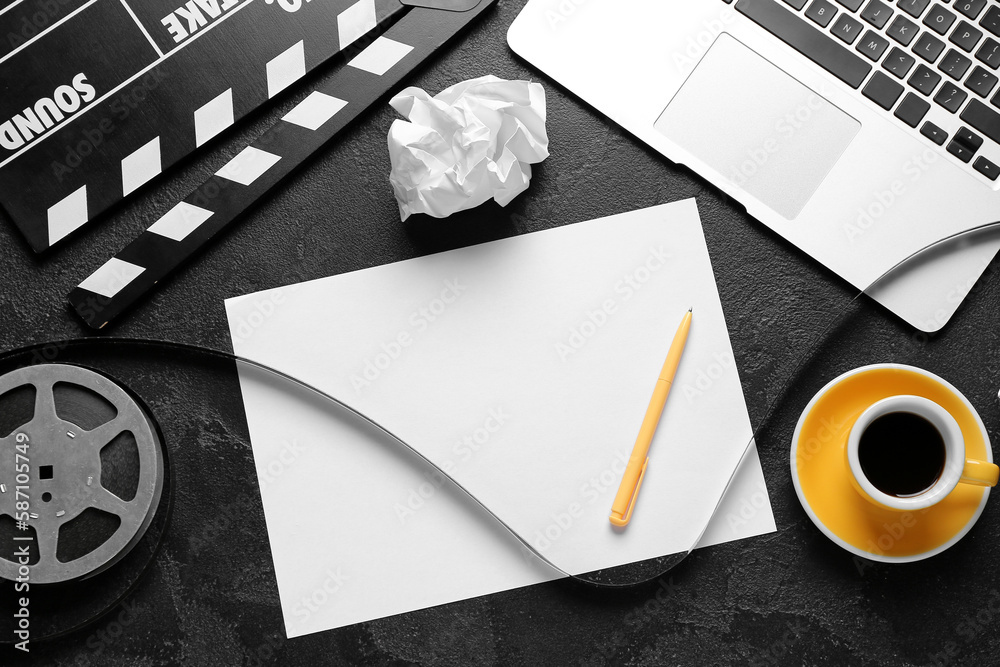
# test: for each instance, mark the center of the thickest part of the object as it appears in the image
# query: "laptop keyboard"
(907, 57)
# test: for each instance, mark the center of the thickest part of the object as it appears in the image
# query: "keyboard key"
(903, 30)
(996, 100)
(981, 82)
(934, 133)
(912, 109)
(796, 4)
(822, 12)
(852, 5)
(913, 7)
(965, 36)
(984, 119)
(969, 139)
(877, 13)
(991, 20)
(882, 90)
(814, 45)
(989, 53)
(928, 47)
(846, 29)
(954, 64)
(970, 8)
(939, 19)
(925, 79)
(986, 168)
(960, 151)
(950, 97)
(872, 45)
(898, 62)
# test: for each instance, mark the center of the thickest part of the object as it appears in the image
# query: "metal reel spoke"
(108, 502)
(47, 538)
(45, 399)
(105, 433)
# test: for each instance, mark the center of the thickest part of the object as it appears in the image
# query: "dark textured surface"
(791, 597)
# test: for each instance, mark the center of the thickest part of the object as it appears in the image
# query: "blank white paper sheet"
(523, 367)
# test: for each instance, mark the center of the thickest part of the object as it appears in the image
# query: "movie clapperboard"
(98, 97)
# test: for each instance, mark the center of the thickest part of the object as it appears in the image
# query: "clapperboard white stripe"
(313, 122)
(180, 221)
(248, 166)
(141, 166)
(314, 110)
(380, 56)
(68, 215)
(286, 68)
(213, 117)
(355, 22)
(112, 277)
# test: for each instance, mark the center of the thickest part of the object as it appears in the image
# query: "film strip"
(94, 578)
(201, 216)
(101, 96)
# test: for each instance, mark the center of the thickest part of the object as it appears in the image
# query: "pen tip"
(691, 309)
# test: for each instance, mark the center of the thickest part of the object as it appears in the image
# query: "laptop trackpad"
(757, 126)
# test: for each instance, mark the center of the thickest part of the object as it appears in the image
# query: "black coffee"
(901, 453)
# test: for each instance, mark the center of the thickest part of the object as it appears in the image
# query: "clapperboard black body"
(383, 60)
(98, 97)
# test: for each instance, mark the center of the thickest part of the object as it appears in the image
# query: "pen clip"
(623, 520)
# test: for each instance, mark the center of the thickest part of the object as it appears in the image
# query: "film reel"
(83, 470)
(51, 472)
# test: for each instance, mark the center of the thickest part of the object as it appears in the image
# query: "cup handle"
(980, 473)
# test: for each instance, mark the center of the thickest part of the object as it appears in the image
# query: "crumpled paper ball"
(471, 142)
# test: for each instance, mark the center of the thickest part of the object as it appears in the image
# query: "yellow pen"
(621, 510)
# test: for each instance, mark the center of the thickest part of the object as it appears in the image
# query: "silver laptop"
(860, 130)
